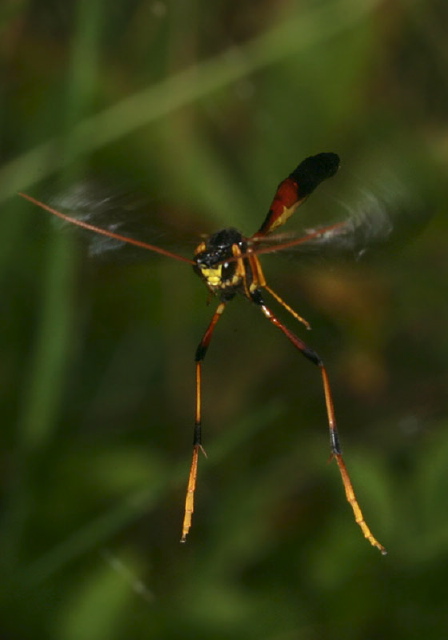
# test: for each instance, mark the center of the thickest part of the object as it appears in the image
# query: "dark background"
(203, 107)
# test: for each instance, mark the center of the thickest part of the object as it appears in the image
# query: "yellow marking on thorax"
(212, 275)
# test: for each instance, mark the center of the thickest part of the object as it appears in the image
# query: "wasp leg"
(336, 451)
(197, 438)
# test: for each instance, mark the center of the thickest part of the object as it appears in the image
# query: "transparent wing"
(392, 215)
(118, 225)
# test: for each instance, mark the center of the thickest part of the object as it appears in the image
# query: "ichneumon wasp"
(229, 265)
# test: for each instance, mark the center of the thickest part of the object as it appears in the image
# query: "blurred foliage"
(205, 107)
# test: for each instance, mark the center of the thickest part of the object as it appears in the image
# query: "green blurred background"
(205, 107)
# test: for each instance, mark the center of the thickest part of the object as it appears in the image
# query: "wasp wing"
(115, 225)
(388, 216)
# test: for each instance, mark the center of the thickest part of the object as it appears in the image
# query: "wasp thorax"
(211, 258)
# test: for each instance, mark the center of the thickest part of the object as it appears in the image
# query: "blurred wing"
(296, 188)
(389, 217)
(113, 225)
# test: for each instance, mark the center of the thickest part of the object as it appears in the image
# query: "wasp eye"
(226, 264)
